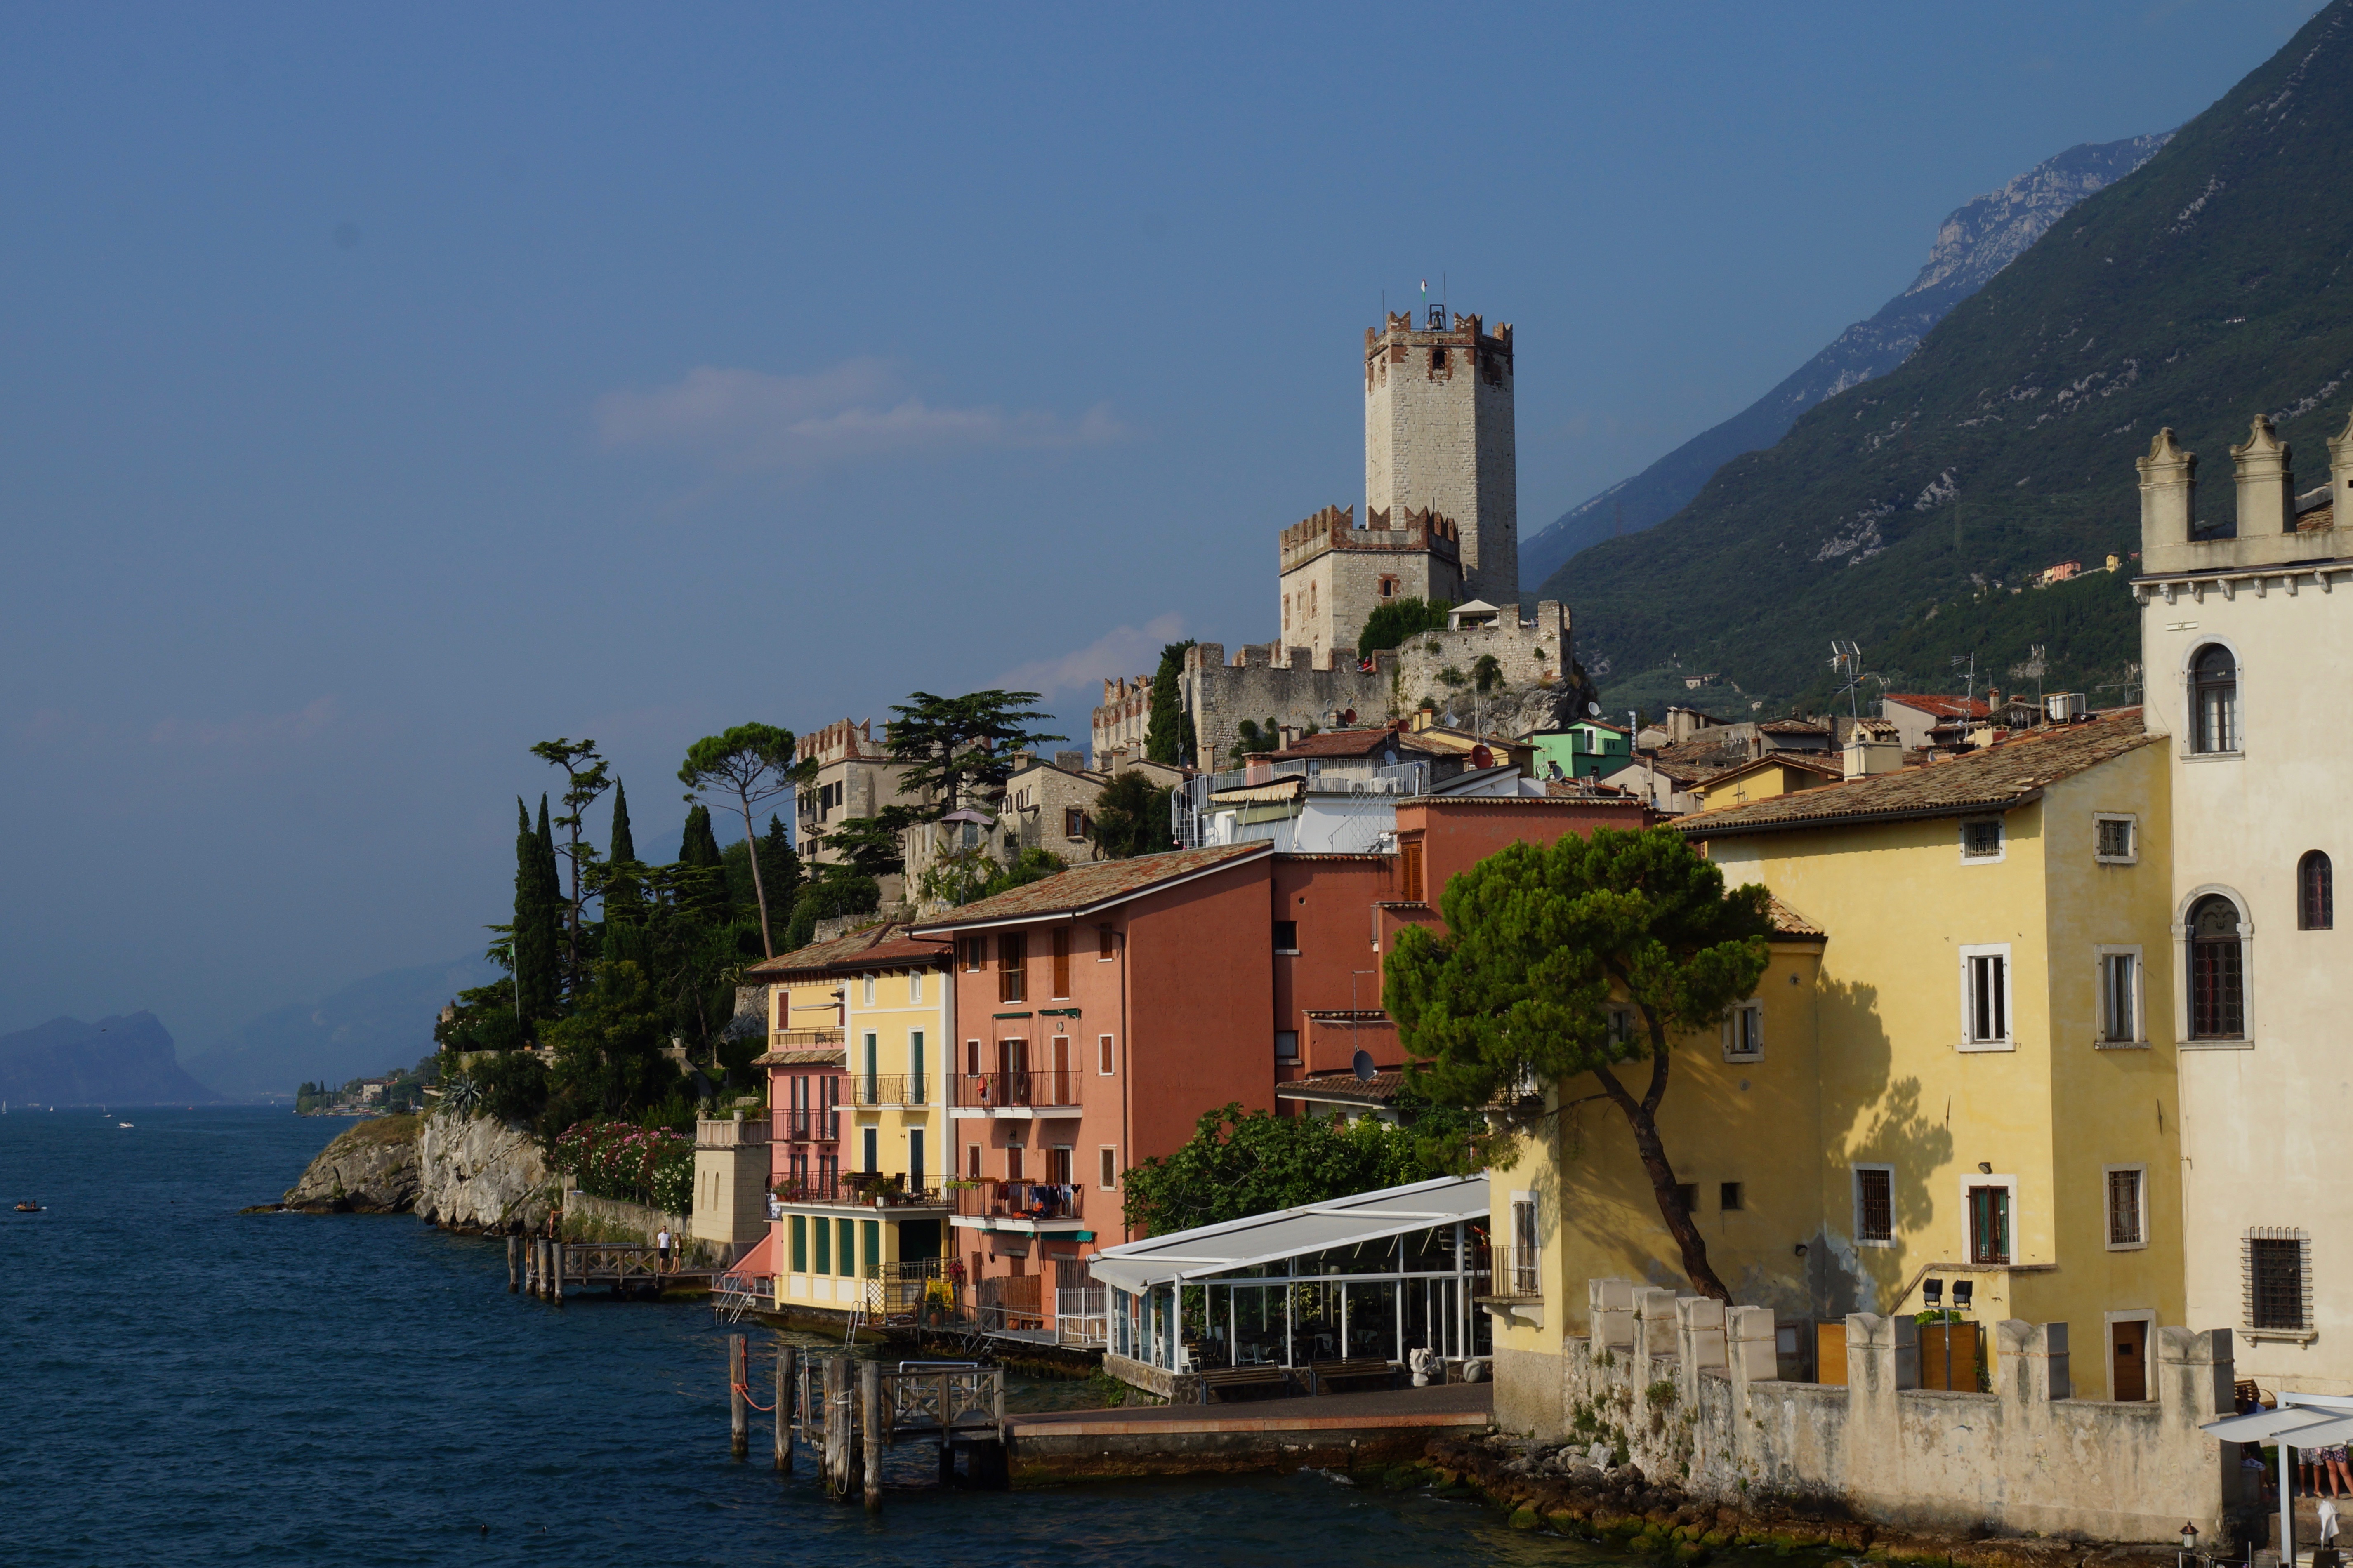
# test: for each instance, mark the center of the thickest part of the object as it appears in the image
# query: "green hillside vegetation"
(2208, 286)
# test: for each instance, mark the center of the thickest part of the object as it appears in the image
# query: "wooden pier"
(550, 1269)
(853, 1412)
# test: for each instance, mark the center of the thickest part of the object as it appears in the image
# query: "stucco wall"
(1677, 1385)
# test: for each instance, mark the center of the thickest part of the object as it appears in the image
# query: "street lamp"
(2189, 1546)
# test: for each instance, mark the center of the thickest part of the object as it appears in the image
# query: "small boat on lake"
(28, 1206)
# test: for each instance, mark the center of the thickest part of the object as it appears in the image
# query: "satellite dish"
(1593, 710)
(1364, 1067)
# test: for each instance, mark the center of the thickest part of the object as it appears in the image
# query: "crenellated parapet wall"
(1683, 1386)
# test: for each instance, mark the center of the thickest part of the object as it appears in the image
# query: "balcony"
(1513, 1274)
(792, 1126)
(1017, 1205)
(1021, 1094)
(859, 1189)
(729, 1132)
(890, 1088)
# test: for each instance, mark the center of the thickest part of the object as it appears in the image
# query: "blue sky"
(386, 388)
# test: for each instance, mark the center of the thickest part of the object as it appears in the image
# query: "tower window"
(2214, 701)
(1438, 359)
(2217, 968)
(2316, 893)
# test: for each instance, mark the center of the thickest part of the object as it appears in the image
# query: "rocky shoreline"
(1540, 1488)
(474, 1174)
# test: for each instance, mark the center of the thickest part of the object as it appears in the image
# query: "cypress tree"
(780, 868)
(623, 897)
(537, 951)
(623, 847)
(698, 850)
(1165, 739)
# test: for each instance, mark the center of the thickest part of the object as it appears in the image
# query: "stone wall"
(1123, 720)
(1682, 1386)
(1439, 434)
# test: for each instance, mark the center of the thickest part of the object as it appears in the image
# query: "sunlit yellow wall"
(894, 1017)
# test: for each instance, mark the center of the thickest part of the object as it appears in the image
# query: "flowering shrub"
(629, 1163)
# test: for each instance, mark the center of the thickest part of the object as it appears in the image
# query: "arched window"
(2214, 701)
(2316, 893)
(2217, 970)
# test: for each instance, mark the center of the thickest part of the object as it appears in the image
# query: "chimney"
(2169, 492)
(1866, 757)
(2266, 483)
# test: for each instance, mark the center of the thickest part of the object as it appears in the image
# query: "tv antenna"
(1846, 659)
(1970, 682)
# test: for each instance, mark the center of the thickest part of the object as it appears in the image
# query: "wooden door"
(1950, 1354)
(2128, 1359)
(1829, 1353)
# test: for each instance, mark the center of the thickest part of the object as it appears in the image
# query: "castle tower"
(1439, 438)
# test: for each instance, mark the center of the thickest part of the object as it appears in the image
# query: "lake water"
(187, 1386)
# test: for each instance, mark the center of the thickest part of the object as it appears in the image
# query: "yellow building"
(857, 1072)
(1774, 773)
(1955, 1070)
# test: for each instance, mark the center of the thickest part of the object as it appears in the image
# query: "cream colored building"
(2244, 640)
(1958, 1069)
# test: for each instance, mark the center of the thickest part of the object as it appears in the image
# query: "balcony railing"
(860, 1189)
(792, 1126)
(989, 1198)
(1082, 1316)
(729, 1132)
(995, 1090)
(1515, 1274)
(890, 1088)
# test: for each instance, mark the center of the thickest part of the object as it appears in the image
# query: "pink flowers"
(630, 1163)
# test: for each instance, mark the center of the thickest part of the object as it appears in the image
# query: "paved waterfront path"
(1447, 1404)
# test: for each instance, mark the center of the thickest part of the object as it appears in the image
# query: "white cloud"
(1122, 650)
(742, 420)
(246, 730)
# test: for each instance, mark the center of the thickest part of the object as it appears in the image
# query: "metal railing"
(1515, 1274)
(988, 1198)
(1029, 1087)
(795, 1126)
(861, 1189)
(890, 1088)
(1082, 1316)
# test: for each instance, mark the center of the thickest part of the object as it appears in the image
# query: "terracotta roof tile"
(1095, 884)
(819, 956)
(1949, 706)
(1788, 922)
(1338, 743)
(1993, 779)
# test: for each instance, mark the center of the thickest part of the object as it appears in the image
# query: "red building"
(1101, 1012)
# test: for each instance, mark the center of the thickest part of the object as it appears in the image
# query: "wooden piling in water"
(870, 1391)
(837, 1421)
(555, 1249)
(786, 1382)
(514, 1254)
(538, 1268)
(739, 1415)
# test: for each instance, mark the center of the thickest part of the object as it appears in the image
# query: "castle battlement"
(844, 740)
(1334, 528)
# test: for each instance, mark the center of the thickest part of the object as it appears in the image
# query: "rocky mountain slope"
(372, 1025)
(1973, 242)
(469, 1173)
(372, 1169)
(2213, 283)
(115, 1061)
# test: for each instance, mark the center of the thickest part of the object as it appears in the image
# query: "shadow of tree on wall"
(1873, 1118)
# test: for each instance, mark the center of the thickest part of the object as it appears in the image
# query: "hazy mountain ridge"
(2209, 285)
(1975, 242)
(382, 1021)
(118, 1060)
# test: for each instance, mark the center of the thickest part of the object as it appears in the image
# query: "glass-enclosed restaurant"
(1377, 1275)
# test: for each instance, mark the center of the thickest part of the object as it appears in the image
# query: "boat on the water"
(28, 1206)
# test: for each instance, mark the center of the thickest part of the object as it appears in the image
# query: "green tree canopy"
(536, 941)
(959, 750)
(1237, 1164)
(586, 778)
(1165, 737)
(751, 763)
(1542, 944)
(622, 886)
(870, 844)
(1254, 740)
(702, 888)
(1130, 817)
(1390, 625)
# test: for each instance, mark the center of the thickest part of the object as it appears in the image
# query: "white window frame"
(2107, 1171)
(2008, 1040)
(1112, 1185)
(914, 988)
(2100, 956)
(2132, 832)
(1106, 1057)
(868, 996)
(2180, 933)
(1622, 1025)
(2001, 831)
(2303, 1238)
(2186, 695)
(1855, 1181)
(2017, 1217)
(1733, 1030)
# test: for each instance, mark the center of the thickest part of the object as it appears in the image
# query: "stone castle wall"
(1335, 574)
(1438, 434)
(1124, 719)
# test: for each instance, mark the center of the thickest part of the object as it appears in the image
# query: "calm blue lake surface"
(186, 1385)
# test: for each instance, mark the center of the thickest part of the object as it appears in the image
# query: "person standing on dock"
(661, 1250)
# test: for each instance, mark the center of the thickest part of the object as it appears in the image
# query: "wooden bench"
(1322, 1371)
(1222, 1378)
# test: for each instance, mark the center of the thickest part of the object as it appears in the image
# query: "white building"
(2242, 637)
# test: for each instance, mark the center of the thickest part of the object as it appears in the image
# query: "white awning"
(1291, 1233)
(2299, 1424)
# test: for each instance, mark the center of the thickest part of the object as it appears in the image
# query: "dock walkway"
(1330, 1430)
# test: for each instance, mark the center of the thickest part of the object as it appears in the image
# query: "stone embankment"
(372, 1169)
(1565, 1491)
(470, 1173)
